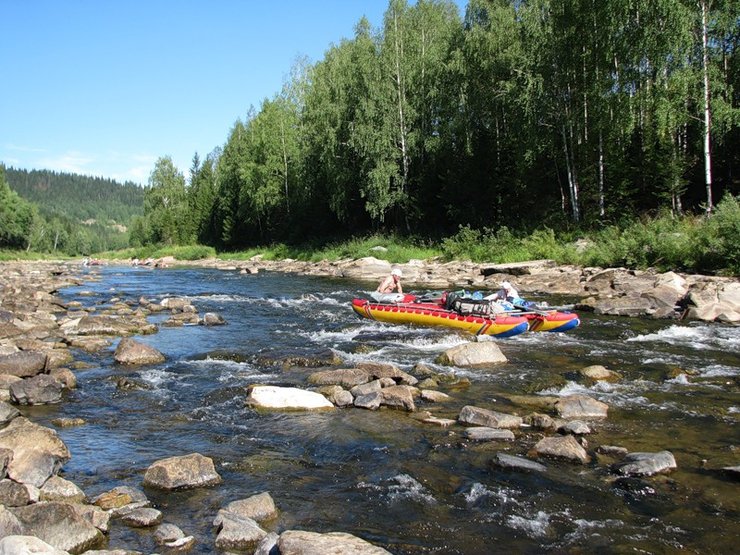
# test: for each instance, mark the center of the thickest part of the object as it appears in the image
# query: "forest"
(63, 213)
(568, 114)
(559, 119)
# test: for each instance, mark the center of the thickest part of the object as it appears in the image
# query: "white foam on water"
(221, 298)
(403, 486)
(733, 410)
(718, 370)
(536, 527)
(159, 377)
(503, 496)
(622, 395)
(698, 337)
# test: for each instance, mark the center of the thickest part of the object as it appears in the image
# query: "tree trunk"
(602, 212)
(707, 111)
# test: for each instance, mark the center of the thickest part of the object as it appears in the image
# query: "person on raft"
(506, 293)
(391, 282)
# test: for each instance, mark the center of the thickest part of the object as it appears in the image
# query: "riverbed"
(382, 475)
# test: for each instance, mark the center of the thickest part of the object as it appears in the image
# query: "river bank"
(42, 338)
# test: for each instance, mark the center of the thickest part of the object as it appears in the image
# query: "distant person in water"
(391, 282)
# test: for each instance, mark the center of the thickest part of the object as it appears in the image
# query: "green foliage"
(717, 242)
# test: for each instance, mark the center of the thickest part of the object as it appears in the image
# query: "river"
(381, 475)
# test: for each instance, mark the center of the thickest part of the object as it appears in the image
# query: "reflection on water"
(408, 486)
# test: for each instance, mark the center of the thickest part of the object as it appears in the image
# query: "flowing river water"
(382, 475)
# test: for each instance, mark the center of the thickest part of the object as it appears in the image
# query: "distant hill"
(80, 198)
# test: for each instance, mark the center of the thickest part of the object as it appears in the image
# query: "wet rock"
(121, 499)
(398, 396)
(274, 397)
(473, 354)
(13, 494)
(337, 395)
(427, 418)
(539, 421)
(561, 447)
(212, 319)
(299, 542)
(5, 381)
(380, 370)
(181, 319)
(624, 306)
(597, 372)
(7, 413)
(175, 303)
(488, 434)
(68, 422)
(38, 453)
(184, 472)
(59, 489)
(612, 451)
(23, 364)
(646, 464)
(268, 545)
(109, 325)
(369, 401)
(59, 525)
(27, 545)
(127, 384)
(94, 515)
(513, 462)
(259, 507)
(366, 388)
(56, 358)
(237, 532)
(9, 523)
(327, 357)
(346, 377)
(133, 352)
(90, 344)
(142, 517)
(167, 533)
(533, 401)
(38, 390)
(434, 396)
(489, 418)
(575, 427)
(580, 406)
(733, 471)
(421, 370)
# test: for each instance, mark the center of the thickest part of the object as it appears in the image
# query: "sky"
(106, 87)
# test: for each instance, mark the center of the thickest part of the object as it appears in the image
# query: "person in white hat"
(506, 293)
(391, 282)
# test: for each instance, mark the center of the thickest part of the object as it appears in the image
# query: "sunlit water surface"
(383, 476)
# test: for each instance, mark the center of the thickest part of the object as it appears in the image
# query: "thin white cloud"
(71, 161)
(22, 148)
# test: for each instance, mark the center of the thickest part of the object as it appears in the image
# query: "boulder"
(539, 421)
(175, 303)
(238, 533)
(580, 406)
(5, 381)
(23, 364)
(370, 401)
(183, 472)
(121, 499)
(575, 427)
(380, 370)
(346, 377)
(299, 542)
(473, 354)
(212, 319)
(59, 525)
(142, 517)
(38, 390)
(107, 325)
(398, 396)
(13, 494)
(7, 413)
(624, 306)
(366, 388)
(646, 464)
(489, 418)
(167, 533)
(27, 545)
(9, 523)
(59, 489)
(258, 507)
(268, 545)
(65, 376)
(561, 447)
(337, 395)
(434, 396)
(38, 453)
(133, 352)
(274, 397)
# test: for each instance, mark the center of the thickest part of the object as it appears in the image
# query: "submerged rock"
(513, 462)
(489, 418)
(481, 433)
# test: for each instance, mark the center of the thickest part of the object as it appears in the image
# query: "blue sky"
(105, 87)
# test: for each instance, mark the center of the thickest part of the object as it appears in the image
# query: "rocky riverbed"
(41, 338)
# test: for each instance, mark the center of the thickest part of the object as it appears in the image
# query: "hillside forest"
(569, 116)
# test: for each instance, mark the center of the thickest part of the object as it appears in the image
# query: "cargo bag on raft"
(465, 306)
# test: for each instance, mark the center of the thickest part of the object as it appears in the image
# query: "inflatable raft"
(408, 309)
